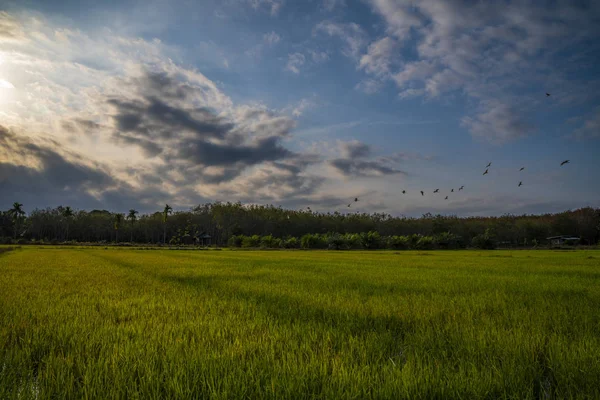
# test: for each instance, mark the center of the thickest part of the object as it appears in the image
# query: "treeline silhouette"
(217, 223)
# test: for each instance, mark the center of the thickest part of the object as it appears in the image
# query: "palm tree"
(118, 219)
(168, 210)
(132, 218)
(67, 213)
(17, 214)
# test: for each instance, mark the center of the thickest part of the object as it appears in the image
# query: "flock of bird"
(487, 168)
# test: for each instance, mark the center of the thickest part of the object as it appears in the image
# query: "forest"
(241, 225)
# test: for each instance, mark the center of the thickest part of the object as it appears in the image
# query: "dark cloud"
(350, 167)
(356, 149)
(211, 154)
(45, 175)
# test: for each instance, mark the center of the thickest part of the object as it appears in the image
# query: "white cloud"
(498, 123)
(483, 50)
(6, 84)
(354, 37)
(318, 56)
(295, 61)
(331, 5)
(369, 86)
(271, 38)
(274, 6)
(379, 56)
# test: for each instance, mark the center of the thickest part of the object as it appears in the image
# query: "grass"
(122, 323)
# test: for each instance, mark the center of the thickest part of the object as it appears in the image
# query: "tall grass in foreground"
(93, 323)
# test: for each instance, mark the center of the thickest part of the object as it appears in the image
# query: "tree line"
(222, 221)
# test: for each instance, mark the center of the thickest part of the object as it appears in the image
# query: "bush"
(235, 241)
(251, 241)
(484, 241)
(448, 240)
(353, 241)
(335, 241)
(314, 241)
(370, 240)
(413, 240)
(268, 242)
(291, 243)
(398, 242)
(425, 243)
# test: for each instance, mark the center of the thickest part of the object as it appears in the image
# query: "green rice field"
(99, 323)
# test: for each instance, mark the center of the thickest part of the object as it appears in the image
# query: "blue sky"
(134, 104)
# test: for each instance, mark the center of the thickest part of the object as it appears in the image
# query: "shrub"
(291, 243)
(448, 240)
(268, 242)
(370, 240)
(314, 241)
(251, 241)
(335, 241)
(425, 243)
(353, 241)
(235, 241)
(413, 240)
(484, 241)
(398, 242)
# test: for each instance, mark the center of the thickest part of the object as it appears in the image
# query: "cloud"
(318, 56)
(142, 128)
(379, 56)
(369, 86)
(498, 123)
(590, 128)
(485, 51)
(271, 38)
(10, 29)
(331, 5)
(6, 84)
(40, 173)
(353, 36)
(295, 61)
(354, 162)
(274, 6)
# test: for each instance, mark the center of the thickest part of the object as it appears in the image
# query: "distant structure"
(563, 240)
(204, 239)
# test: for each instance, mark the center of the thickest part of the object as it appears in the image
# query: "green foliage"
(425, 243)
(127, 324)
(224, 220)
(484, 241)
(235, 241)
(313, 241)
(251, 241)
(291, 243)
(269, 242)
(370, 240)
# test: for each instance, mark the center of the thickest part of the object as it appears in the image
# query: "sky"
(134, 104)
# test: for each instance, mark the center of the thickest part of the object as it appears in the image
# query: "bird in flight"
(404, 192)
(565, 162)
(486, 172)
(547, 94)
(489, 165)
(520, 184)
(452, 191)
(355, 199)
(461, 188)
(422, 194)
(436, 190)
(522, 168)
(446, 198)
(348, 205)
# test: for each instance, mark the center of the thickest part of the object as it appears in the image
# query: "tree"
(118, 220)
(167, 210)
(17, 215)
(67, 214)
(132, 218)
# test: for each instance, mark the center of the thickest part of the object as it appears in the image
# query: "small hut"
(204, 239)
(563, 240)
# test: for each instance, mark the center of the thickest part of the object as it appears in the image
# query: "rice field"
(125, 323)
